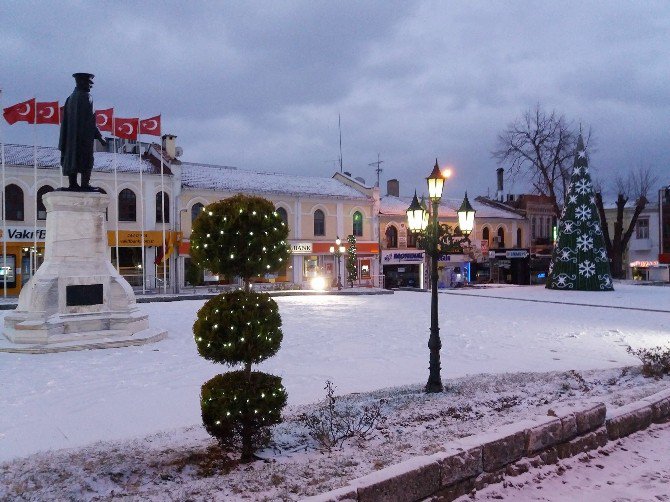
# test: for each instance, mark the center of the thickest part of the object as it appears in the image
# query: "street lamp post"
(436, 237)
(337, 250)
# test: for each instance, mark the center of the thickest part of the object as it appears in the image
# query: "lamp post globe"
(466, 216)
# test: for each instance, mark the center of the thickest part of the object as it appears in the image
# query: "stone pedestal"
(76, 299)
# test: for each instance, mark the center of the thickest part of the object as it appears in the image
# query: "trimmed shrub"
(655, 361)
(238, 327)
(240, 236)
(237, 408)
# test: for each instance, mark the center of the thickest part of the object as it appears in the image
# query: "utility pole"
(378, 169)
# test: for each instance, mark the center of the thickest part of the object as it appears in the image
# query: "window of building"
(501, 237)
(533, 227)
(196, 209)
(642, 228)
(518, 237)
(127, 205)
(391, 237)
(486, 234)
(319, 222)
(41, 210)
(162, 207)
(358, 224)
(411, 239)
(13, 202)
(283, 214)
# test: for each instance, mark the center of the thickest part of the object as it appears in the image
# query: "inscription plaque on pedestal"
(83, 294)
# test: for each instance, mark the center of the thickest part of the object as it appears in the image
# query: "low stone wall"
(476, 461)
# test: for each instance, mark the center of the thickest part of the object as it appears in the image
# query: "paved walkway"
(635, 468)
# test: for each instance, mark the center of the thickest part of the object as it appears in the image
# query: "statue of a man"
(77, 133)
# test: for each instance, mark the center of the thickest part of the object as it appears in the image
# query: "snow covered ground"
(508, 353)
(632, 469)
(361, 343)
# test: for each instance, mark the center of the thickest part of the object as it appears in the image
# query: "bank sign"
(398, 257)
(23, 234)
(301, 248)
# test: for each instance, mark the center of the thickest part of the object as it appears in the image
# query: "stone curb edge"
(476, 461)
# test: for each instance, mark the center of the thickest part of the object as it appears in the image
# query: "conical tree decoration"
(579, 260)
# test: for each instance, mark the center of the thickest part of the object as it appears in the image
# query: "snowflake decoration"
(582, 187)
(566, 254)
(585, 170)
(569, 227)
(605, 281)
(561, 281)
(581, 154)
(583, 212)
(587, 268)
(592, 199)
(602, 254)
(584, 242)
(572, 199)
(595, 228)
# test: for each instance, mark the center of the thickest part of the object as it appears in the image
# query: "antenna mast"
(378, 169)
(339, 125)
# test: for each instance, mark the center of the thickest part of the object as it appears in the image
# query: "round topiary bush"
(237, 407)
(240, 236)
(238, 327)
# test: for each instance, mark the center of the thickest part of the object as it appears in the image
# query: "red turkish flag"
(126, 128)
(20, 112)
(103, 119)
(48, 112)
(151, 126)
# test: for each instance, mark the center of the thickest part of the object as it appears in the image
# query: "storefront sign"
(644, 264)
(457, 258)
(516, 253)
(23, 234)
(301, 248)
(130, 238)
(395, 257)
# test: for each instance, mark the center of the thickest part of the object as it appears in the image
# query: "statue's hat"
(88, 76)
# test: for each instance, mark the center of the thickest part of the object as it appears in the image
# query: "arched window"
(319, 222)
(485, 234)
(283, 214)
(41, 210)
(127, 205)
(518, 237)
(163, 211)
(358, 224)
(391, 237)
(501, 237)
(13, 202)
(196, 209)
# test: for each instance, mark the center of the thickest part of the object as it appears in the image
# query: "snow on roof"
(398, 206)
(208, 177)
(48, 157)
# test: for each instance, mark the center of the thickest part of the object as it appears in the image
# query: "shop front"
(403, 268)
(315, 266)
(22, 259)
(640, 270)
(453, 270)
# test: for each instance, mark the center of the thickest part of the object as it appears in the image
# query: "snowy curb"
(473, 462)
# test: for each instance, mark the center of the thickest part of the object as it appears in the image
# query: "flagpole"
(60, 121)
(116, 196)
(164, 259)
(139, 160)
(33, 255)
(4, 220)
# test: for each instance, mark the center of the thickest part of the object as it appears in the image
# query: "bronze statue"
(77, 133)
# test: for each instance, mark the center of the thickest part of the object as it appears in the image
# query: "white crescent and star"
(130, 128)
(152, 127)
(26, 112)
(48, 112)
(102, 119)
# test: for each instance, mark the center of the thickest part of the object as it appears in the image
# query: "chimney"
(169, 145)
(393, 188)
(499, 194)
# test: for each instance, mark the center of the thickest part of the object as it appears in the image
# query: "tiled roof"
(208, 177)
(392, 205)
(48, 157)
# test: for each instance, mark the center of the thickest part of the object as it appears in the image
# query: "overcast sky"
(259, 85)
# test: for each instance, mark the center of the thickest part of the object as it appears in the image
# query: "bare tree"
(636, 184)
(539, 147)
